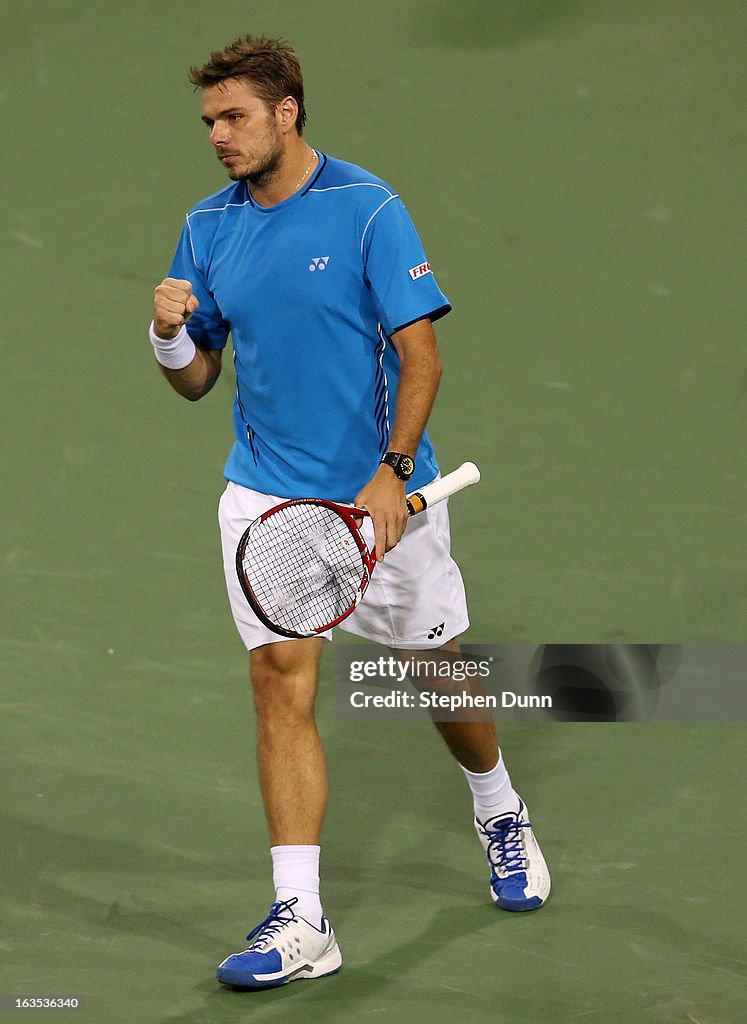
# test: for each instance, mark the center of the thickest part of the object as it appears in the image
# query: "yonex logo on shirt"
(319, 263)
(416, 272)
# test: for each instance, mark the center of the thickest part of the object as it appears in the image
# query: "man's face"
(242, 130)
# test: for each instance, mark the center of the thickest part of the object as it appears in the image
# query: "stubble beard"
(262, 175)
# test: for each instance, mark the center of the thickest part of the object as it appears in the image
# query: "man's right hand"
(173, 306)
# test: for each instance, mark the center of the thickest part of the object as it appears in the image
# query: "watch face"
(403, 465)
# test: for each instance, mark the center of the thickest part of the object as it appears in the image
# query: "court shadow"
(356, 983)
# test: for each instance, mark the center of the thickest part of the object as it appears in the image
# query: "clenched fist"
(173, 306)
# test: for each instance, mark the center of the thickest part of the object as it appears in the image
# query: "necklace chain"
(303, 176)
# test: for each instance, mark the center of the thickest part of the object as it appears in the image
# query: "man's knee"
(284, 678)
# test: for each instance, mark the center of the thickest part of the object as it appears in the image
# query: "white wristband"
(173, 353)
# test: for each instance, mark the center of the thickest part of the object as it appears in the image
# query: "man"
(315, 269)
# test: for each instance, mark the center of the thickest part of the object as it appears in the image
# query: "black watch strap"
(403, 465)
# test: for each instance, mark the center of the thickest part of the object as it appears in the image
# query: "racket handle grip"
(419, 501)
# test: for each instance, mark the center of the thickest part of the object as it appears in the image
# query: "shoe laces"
(506, 848)
(281, 914)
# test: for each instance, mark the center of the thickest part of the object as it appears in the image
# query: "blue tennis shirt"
(311, 291)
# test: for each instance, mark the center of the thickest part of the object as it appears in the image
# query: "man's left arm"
(419, 376)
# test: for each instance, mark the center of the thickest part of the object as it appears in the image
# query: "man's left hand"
(383, 497)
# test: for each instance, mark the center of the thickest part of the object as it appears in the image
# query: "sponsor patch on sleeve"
(420, 271)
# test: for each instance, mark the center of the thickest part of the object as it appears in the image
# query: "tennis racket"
(304, 565)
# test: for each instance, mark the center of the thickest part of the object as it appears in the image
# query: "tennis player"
(314, 268)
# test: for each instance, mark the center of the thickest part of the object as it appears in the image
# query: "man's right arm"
(189, 368)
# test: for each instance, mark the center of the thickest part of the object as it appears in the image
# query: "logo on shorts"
(318, 263)
(436, 631)
(420, 271)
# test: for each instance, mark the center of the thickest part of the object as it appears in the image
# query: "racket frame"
(349, 514)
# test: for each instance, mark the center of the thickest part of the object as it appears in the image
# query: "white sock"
(492, 791)
(295, 872)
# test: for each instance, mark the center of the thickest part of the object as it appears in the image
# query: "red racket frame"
(348, 514)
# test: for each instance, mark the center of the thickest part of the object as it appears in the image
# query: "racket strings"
(304, 566)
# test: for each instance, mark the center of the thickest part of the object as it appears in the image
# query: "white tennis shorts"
(415, 600)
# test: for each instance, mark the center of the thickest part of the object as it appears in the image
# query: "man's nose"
(219, 134)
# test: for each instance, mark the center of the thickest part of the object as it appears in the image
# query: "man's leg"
(473, 743)
(472, 738)
(519, 876)
(292, 767)
(295, 941)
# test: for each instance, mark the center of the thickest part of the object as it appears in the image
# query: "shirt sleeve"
(397, 271)
(206, 326)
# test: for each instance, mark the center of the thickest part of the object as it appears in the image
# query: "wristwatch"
(402, 465)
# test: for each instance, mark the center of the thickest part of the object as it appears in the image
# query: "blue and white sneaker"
(283, 948)
(519, 878)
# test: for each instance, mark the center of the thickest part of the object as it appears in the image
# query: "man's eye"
(234, 117)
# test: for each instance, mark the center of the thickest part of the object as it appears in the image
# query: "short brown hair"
(270, 66)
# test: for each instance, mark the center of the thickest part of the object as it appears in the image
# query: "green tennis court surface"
(575, 169)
